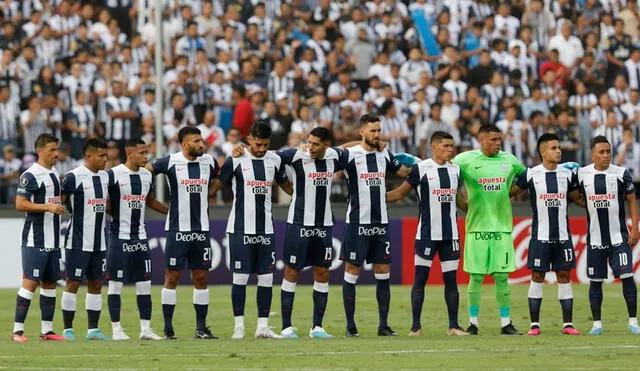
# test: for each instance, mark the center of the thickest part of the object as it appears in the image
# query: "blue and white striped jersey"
(251, 179)
(311, 180)
(548, 191)
(189, 190)
(128, 192)
(41, 186)
(365, 173)
(87, 192)
(604, 192)
(437, 187)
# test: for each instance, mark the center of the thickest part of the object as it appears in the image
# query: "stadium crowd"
(81, 69)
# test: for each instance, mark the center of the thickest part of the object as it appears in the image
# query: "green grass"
(615, 349)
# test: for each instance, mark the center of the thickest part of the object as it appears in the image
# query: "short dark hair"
(599, 139)
(438, 136)
(93, 143)
(134, 142)
(489, 128)
(187, 130)
(261, 130)
(43, 139)
(368, 118)
(544, 138)
(321, 132)
(385, 107)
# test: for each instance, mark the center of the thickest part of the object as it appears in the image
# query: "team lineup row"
(486, 179)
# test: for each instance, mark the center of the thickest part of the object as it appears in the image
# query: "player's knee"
(199, 278)
(538, 277)
(321, 274)
(240, 279)
(381, 268)
(562, 276)
(72, 286)
(30, 285)
(350, 278)
(420, 261)
(143, 288)
(94, 286)
(449, 266)
(265, 280)
(291, 274)
(115, 288)
(352, 269)
(171, 279)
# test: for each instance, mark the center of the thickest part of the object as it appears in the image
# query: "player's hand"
(382, 145)
(304, 147)
(238, 151)
(634, 236)
(56, 209)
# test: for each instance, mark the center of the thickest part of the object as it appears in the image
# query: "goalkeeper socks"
(93, 306)
(47, 309)
(201, 306)
(451, 297)
(535, 301)
(417, 294)
(565, 295)
(320, 299)
(68, 309)
(168, 307)
(503, 297)
(630, 294)
(595, 299)
(23, 301)
(383, 295)
(474, 293)
(349, 298)
(287, 294)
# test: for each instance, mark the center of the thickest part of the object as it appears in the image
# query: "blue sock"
(417, 294)
(238, 299)
(114, 303)
(595, 299)
(201, 315)
(93, 317)
(383, 296)
(630, 294)
(263, 297)
(167, 314)
(349, 300)
(144, 306)
(286, 304)
(67, 318)
(22, 308)
(451, 297)
(47, 307)
(320, 300)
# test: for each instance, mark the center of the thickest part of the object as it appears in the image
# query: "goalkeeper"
(487, 175)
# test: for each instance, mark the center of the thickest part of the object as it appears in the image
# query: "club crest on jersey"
(24, 182)
(492, 184)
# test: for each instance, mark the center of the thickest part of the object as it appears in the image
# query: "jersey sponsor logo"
(99, 205)
(135, 201)
(257, 240)
(373, 179)
(194, 185)
(552, 199)
(259, 187)
(372, 231)
(54, 200)
(313, 232)
(492, 184)
(140, 246)
(601, 201)
(320, 179)
(189, 237)
(445, 194)
(487, 236)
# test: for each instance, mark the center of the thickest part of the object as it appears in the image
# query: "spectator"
(627, 154)
(620, 45)
(569, 137)
(243, 115)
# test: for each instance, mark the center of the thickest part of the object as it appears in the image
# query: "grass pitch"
(616, 349)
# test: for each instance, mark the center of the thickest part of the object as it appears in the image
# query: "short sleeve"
(161, 165)
(226, 173)
(281, 174)
(517, 166)
(521, 180)
(393, 165)
(27, 185)
(414, 176)
(68, 184)
(343, 161)
(112, 178)
(627, 183)
(214, 169)
(338, 163)
(286, 155)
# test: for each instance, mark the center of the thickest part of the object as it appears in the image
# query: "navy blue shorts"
(190, 248)
(366, 242)
(89, 265)
(447, 250)
(252, 253)
(308, 246)
(619, 257)
(128, 260)
(545, 256)
(41, 265)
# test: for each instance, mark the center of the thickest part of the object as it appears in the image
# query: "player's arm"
(24, 204)
(155, 204)
(630, 196)
(576, 197)
(574, 186)
(68, 187)
(519, 184)
(223, 178)
(287, 187)
(400, 192)
(462, 202)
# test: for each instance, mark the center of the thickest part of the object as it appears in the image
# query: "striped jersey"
(87, 192)
(437, 187)
(311, 180)
(365, 173)
(251, 179)
(128, 192)
(189, 190)
(41, 186)
(548, 190)
(604, 193)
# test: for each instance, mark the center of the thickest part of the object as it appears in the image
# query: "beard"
(196, 152)
(373, 143)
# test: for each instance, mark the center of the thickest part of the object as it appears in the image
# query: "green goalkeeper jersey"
(488, 180)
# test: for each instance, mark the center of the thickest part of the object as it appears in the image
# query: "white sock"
(533, 324)
(473, 321)
(633, 321)
(566, 324)
(597, 324)
(168, 296)
(145, 325)
(17, 326)
(239, 321)
(68, 301)
(505, 321)
(288, 286)
(263, 322)
(115, 326)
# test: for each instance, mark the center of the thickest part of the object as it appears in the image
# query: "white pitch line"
(306, 354)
